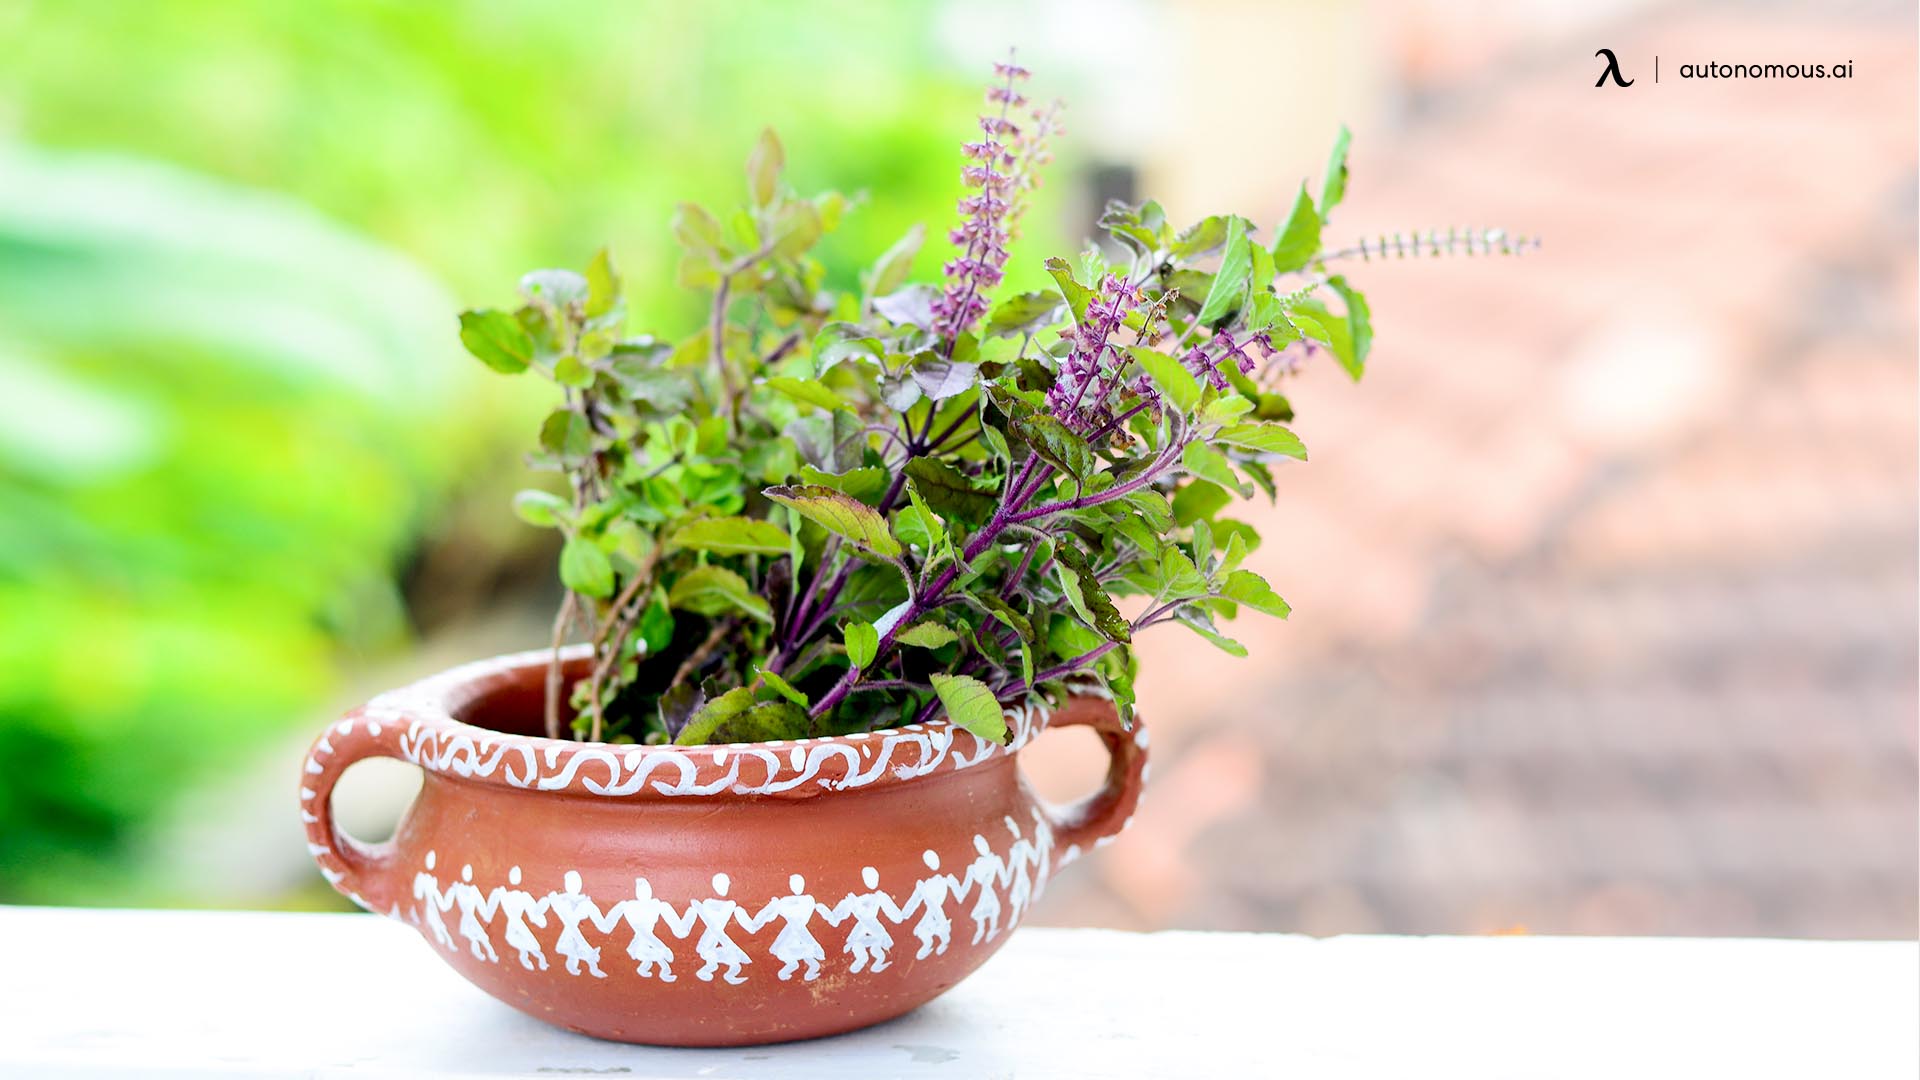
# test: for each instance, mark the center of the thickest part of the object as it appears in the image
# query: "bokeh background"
(1604, 579)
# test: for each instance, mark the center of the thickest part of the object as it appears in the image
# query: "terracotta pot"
(704, 896)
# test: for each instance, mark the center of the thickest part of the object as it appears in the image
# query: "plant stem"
(560, 621)
(704, 652)
(930, 596)
(1063, 668)
(717, 322)
(1119, 491)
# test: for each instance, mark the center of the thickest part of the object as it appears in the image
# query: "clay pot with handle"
(712, 895)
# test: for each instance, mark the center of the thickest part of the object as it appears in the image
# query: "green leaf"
(1221, 641)
(1266, 438)
(763, 167)
(1335, 188)
(731, 536)
(1086, 595)
(839, 341)
(1198, 500)
(1069, 637)
(734, 717)
(699, 233)
(1143, 228)
(1204, 237)
(666, 391)
(796, 229)
(1235, 530)
(1206, 463)
(1179, 577)
(1251, 590)
(541, 508)
(603, 285)
(1151, 506)
(867, 483)
(949, 492)
(927, 635)
(971, 705)
(566, 433)
(1176, 383)
(716, 590)
(1229, 291)
(938, 541)
(1006, 613)
(810, 391)
(890, 272)
(1076, 294)
(1334, 331)
(585, 569)
(656, 624)
(1023, 314)
(1056, 444)
(841, 514)
(863, 643)
(783, 687)
(572, 371)
(497, 339)
(1226, 407)
(1202, 545)
(1359, 323)
(1299, 240)
(1234, 550)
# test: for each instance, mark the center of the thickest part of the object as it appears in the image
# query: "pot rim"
(427, 732)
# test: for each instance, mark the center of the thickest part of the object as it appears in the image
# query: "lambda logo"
(1612, 70)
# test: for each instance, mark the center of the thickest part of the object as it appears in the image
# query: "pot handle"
(361, 872)
(1097, 819)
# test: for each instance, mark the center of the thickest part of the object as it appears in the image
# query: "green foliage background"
(233, 238)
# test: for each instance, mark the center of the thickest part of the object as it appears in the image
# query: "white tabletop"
(125, 993)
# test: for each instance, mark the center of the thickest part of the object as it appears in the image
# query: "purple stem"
(1066, 667)
(1119, 491)
(930, 596)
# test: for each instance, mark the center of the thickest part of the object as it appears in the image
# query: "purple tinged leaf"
(942, 379)
(911, 306)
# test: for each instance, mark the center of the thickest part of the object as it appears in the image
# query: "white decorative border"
(433, 740)
(581, 926)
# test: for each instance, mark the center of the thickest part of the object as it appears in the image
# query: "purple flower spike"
(982, 233)
(1083, 388)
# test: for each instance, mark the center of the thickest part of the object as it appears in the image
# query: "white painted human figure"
(868, 941)
(984, 873)
(475, 910)
(1019, 884)
(715, 947)
(931, 895)
(1042, 853)
(518, 908)
(426, 889)
(643, 913)
(795, 944)
(573, 908)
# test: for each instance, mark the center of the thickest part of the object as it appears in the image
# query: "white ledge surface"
(220, 994)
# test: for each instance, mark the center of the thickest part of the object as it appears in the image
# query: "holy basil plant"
(824, 511)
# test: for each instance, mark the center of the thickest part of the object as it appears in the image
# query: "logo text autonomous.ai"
(1716, 70)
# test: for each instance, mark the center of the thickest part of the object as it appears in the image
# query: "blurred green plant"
(483, 138)
(221, 417)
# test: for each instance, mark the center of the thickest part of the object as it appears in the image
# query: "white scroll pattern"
(835, 763)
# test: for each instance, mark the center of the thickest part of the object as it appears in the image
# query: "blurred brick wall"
(1605, 579)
